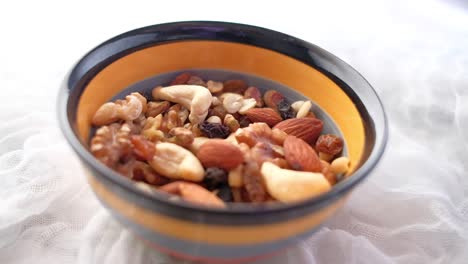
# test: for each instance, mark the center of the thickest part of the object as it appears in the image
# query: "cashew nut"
(215, 87)
(246, 105)
(290, 186)
(176, 162)
(232, 102)
(128, 109)
(194, 97)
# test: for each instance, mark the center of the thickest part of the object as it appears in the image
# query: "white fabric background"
(413, 208)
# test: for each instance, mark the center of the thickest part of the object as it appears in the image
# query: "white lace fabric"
(412, 209)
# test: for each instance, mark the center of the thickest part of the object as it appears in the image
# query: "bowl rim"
(241, 35)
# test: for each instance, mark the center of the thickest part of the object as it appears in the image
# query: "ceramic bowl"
(145, 57)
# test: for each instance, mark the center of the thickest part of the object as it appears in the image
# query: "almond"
(265, 115)
(300, 155)
(221, 154)
(307, 129)
(193, 193)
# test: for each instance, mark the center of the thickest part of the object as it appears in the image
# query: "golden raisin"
(329, 144)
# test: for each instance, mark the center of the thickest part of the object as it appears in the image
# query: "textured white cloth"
(413, 208)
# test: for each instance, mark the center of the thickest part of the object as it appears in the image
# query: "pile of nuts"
(213, 143)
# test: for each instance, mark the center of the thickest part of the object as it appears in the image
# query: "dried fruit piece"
(235, 86)
(214, 130)
(181, 79)
(244, 121)
(143, 149)
(307, 129)
(225, 194)
(285, 110)
(264, 115)
(175, 162)
(291, 186)
(300, 155)
(329, 144)
(272, 98)
(221, 154)
(215, 178)
(254, 92)
(193, 193)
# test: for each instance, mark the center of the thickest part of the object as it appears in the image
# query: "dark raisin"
(214, 130)
(214, 178)
(286, 110)
(244, 121)
(225, 194)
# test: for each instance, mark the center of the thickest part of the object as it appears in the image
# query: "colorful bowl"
(244, 232)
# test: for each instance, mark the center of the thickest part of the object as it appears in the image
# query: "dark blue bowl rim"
(107, 52)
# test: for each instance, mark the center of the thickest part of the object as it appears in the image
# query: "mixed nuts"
(213, 143)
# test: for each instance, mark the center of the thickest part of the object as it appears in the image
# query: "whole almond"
(307, 129)
(221, 154)
(300, 155)
(193, 193)
(265, 115)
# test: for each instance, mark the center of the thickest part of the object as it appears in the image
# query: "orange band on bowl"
(209, 233)
(182, 55)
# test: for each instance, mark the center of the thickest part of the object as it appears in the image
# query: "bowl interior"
(142, 70)
(146, 86)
